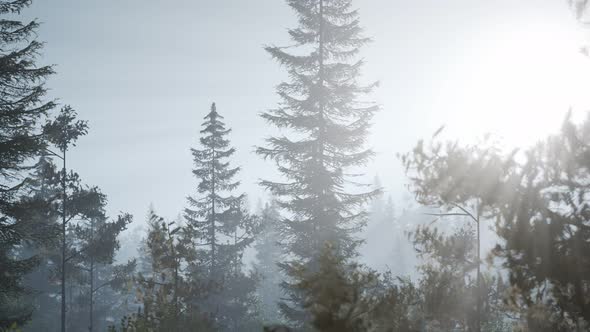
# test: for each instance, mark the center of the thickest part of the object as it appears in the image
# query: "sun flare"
(530, 72)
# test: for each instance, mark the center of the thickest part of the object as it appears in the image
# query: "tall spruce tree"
(43, 279)
(38, 233)
(220, 228)
(21, 110)
(268, 255)
(329, 124)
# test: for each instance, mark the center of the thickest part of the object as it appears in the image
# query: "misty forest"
(277, 166)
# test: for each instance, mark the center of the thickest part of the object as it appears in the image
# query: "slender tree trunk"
(91, 295)
(478, 298)
(90, 326)
(176, 265)
(63, 247)
(176, 311)
(236, 265)
(321, 84)
(320, 139)
(213, 265)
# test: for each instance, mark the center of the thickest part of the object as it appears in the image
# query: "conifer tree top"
(326, 126)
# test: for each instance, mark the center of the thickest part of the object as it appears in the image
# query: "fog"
(144, 74)
(498, 76)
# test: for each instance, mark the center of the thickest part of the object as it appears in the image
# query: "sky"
(145, 72)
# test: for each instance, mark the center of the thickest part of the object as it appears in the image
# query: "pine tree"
(220, 227)
(30, 216)
(75, 202)
(96, 241)
(164, 294)
(43, 280)
(461, 181)
(543, 223)
(481, 182)
(397, 305)
(448, 280)
(163, 290)
(379, 235)
(339, 295)
(21, 112)
(330, 124)
(401, 253)
(268, 255)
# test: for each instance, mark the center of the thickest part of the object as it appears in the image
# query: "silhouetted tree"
(544, 225)
(381, 234)
(164, 293)
(96, 241)
(159, 290)
(463, 182)
(321, 105)
(540, 207)
(75, 201)
(268, 256)
(220, 228)
(32, 218)
(21, 112)
(340, 295)
(397, 306)
(448, 284)
(43, 280)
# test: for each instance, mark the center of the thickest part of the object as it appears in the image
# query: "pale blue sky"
(144, 72)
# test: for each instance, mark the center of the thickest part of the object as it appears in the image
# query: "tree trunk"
(90, 326)
(478, 297)
(321, 84)
(63, 248)
(213, 265)
(176, 265)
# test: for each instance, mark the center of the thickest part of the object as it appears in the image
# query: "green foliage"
(161, 291)
(398, 306)
(21, 112)
(448, 175)
(545, 228)
(447, 284)
(327, 126)
(141, 322)
(168, 300)
(218, 231)
(43, 279)
(96, 243)
(538, 199)
(65, 129)
(467, 182)
(340, 295)
(86, 238)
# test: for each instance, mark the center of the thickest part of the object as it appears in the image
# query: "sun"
(519, 81)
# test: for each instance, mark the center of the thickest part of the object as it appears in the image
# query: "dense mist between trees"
(481, 233)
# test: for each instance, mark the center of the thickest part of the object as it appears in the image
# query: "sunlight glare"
(518, 83)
